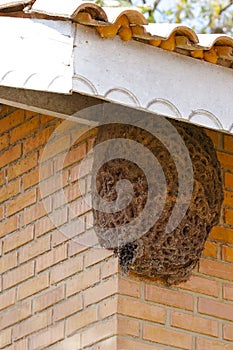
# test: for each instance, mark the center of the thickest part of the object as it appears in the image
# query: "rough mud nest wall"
(169, 256)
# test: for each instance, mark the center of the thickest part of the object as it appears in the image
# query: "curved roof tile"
(67, 9)
(133, 14)
(6, 4)
(165, 30)
(128, 23)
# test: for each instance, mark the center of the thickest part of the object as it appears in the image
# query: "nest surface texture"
(157, 253)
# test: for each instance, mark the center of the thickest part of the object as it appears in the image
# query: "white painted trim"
(61, 57)
(36, 54)
(147, 77)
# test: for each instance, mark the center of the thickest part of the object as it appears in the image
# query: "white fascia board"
(146, 77)
(36, 54)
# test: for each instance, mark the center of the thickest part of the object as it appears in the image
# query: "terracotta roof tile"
(5, 4)
(67, 9)
(129, 24)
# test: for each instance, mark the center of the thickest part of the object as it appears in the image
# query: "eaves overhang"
(63, 56)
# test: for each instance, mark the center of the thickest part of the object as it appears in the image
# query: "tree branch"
(226, 7)
(156, 3)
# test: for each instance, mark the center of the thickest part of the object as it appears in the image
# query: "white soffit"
(36, 54)
(151, 78)
(61, 57)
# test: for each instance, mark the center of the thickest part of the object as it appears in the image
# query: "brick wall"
(56, 293)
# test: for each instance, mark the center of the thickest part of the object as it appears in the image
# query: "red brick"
(65, 126)
(201, 285)
(169, 297)
(211, 249)
(10, 155)
(96, 255)
(33, 286)
(81, 319)
(222, 234)
(78, 171)
(2, 214)
(51, 258)
(227, 253)
(70, 232)
(30, 114)
(46, 338)
(18, 275)
(216, 269)
(36, 212)
(75, 248)
(83, 281)
(53, 184)
(129, 287)
(128, 327)
(7, 299)
(204, 344)
(213, 135)
(38, 247)
(2, 177)
(37, 140)
(228, 332)
(194, 324)
(99, 332)
(167, 336)
(66, 269)
(22, 166)
(33, 178)
(69, 307)
(73, 156)
(9, 226)
(24, 129)
(141, 310)
(124, 343)
(19, 345)
(12, 120)
(45, 119)
(55, 147)
(109, 268)
(58, 218)
(228, 180)
(9, 191)
(49, 298)
(229, 216)
(68, 194)
(88, 181)
(18, 239)
(21, 202)
(226, 160)
(8, 262)
(15, 315)
(70, 343)
(228, 143)
(5, 110)
(108, 307)
(4, 141)
(228, 291)
(80, 206)
(33, 324)
(215, 308)
(228, 199)
(89, 220)
(5, 338)
(89, 134)
(101, 291)
(90, 144)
